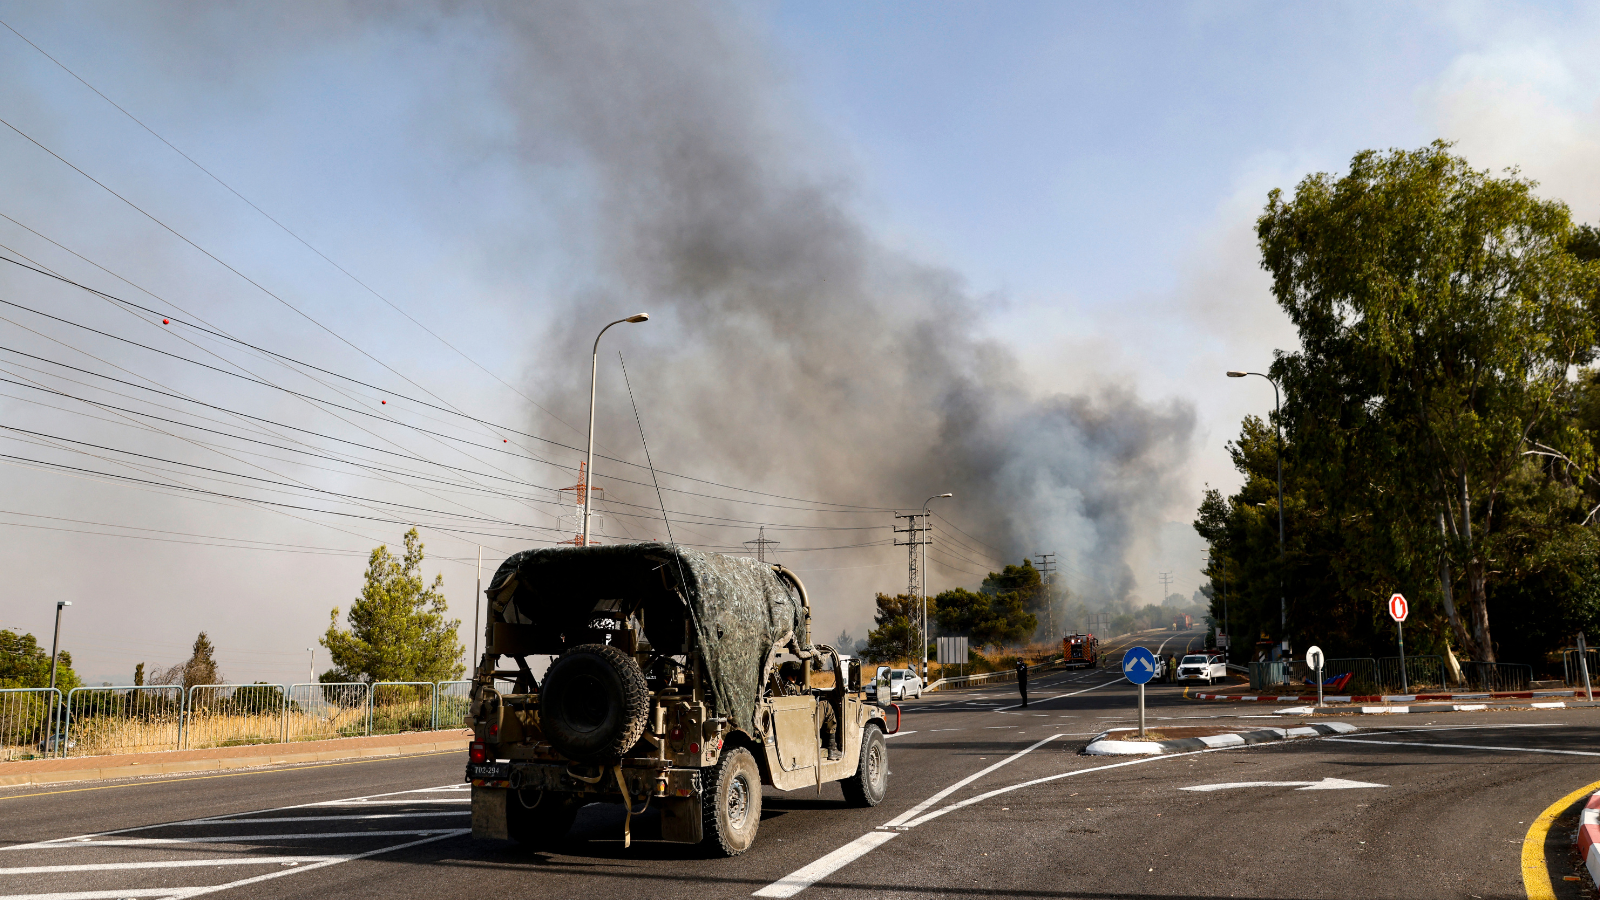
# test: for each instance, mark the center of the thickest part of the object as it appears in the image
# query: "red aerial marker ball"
(384, 402)
(165, 322)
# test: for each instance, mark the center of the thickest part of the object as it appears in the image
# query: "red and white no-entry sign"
(1398, 608)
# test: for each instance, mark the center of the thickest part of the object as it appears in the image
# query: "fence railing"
(1422, 673)
(1488, 676)
(25, 715)
(1572, 673)
(230, 715)
(128, 719)
(93, 721)
(1363, 673)
(451, 703)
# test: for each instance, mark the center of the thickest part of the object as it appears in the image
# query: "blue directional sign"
(1139, 665)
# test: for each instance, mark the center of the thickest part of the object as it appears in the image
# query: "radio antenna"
(653, 480)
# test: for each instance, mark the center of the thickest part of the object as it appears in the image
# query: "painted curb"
(1382, 698)
(1589, 836)
(1428, 708)
(1102, 747)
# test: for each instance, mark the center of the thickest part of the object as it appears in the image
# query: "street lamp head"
(945, 495)
(1237, 374)
(641, 317)
(61, 603)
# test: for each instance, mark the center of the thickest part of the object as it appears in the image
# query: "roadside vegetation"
(1441, 420)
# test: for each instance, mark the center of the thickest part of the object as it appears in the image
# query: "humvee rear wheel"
(539, 820)
(731, 805)
(870, 784)
(594, 703)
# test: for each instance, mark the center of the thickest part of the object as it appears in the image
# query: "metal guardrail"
(128, 719)
(25, 715)
(1572, 673)
(451, 704)
(317, 712)
(1366, 674)
(230, 715)
(1422, 673)
(92, 721)
(1488, 676)
(956, 681)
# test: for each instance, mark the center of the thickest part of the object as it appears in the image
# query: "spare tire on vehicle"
(595, 703)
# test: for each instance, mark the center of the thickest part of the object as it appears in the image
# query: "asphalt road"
(1458, 794)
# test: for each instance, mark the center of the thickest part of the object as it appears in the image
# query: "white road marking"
(1059, 696)
(898, 734)
(1468, 747)
(237, 838)
(806, 876)
(1326, 784)
(916, 810)
(163, 864)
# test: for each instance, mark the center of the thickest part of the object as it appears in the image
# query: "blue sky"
(1089, 172)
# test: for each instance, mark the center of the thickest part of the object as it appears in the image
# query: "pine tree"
(398, 630)
(202, 665)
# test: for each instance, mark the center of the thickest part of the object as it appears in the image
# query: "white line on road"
(1467, 747)
(806, 876)
(1059, 696)
(164, 864)
(898, 734)
(916, 810)
(238, 838)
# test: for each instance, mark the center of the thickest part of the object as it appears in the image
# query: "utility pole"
(916, 532)
(1166, 586)
(311, 665)
(55, 642)
(761, 544)
(1047, 569)
(477, 598)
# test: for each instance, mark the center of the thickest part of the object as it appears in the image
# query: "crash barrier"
(94, 721)
(1572, 673)
(1488, 676)
(25, 715)
(955, 681)
(127, 719)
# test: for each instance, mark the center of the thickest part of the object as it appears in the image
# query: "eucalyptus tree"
(1441, 318)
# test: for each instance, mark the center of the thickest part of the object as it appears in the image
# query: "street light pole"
(311, 666)
(922, 578)
(55, 643)
(1277, 402)
(594, 374)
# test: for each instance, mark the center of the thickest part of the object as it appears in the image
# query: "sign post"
(1314, 661)
(1583, 665)
(1139, 666)
(1398, 610)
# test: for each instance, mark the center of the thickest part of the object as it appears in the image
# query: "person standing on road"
(1022, 681)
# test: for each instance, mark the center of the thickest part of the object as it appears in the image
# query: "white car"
(897, 684)
(1207, 667)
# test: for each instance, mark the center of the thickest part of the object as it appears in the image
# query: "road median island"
(216, 759)
(1186, 738)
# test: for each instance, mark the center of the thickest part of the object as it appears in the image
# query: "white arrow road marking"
(1326, 784)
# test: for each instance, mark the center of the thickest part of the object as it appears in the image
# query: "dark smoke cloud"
(789, 348)
(796, 351)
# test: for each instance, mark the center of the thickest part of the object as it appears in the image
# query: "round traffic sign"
(1314, 658)
(1398, 608)
(1139, 665)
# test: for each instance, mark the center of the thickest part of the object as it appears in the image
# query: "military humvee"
(680, 680)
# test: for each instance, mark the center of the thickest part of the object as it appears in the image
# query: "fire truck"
(1080, 650)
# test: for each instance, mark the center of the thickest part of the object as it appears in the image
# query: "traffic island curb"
(1384, 698)
(1589, 836)
(1429, 708)
(1101, 746)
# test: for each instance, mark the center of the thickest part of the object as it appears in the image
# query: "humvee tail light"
(477, 752)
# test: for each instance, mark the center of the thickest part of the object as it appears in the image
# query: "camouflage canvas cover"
(735, 607)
